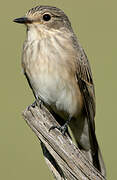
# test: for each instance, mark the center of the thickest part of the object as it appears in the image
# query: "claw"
(38, 102)
(62, 129)
(34, 104)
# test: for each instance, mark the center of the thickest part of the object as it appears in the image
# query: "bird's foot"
(63, 129)
(33, 105)
(37, 102)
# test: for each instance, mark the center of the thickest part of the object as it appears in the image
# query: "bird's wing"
(85, 82)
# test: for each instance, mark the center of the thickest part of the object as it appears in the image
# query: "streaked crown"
(50, 16)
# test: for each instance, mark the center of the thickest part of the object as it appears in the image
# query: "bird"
(59, 74)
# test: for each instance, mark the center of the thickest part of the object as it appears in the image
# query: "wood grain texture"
(63, 158)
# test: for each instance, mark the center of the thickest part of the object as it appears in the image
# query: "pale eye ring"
(46, 17)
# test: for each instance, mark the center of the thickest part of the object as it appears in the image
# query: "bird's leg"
(33, 105)
(38, 102)
(63, 128)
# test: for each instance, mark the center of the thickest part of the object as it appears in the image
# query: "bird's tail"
(102, 166)
(96, 159)
(86, 140)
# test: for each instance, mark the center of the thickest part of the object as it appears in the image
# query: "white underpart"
(49, 70)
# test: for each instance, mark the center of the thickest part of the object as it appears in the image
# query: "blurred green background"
(95, 23)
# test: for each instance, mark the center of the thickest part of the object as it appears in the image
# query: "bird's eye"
(46, 17)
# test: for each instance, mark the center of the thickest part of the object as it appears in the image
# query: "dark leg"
(63, 128)
(33, 105)
(38, 102)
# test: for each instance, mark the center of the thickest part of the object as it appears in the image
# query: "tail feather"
(95, 156)
(102, 166)
(86, 140)
(97, 159)
(88, 155)
(89, 125)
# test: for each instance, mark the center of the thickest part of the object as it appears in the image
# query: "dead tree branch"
(63, 158)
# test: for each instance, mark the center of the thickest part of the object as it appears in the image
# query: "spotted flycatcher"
(59, 74)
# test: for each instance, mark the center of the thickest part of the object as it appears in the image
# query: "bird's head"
(45, 16)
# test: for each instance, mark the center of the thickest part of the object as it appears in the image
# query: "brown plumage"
(59, 74)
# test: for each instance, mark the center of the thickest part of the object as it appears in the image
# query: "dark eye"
(46, 17)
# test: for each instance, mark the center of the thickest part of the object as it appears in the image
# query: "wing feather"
(85, 82)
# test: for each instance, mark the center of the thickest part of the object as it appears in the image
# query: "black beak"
(23, 20)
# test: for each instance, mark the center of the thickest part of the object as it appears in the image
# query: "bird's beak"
(23, 20)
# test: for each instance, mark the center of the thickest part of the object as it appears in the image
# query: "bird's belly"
(56, 90)
(52, 76)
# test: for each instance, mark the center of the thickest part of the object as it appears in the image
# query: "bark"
(63, 158)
